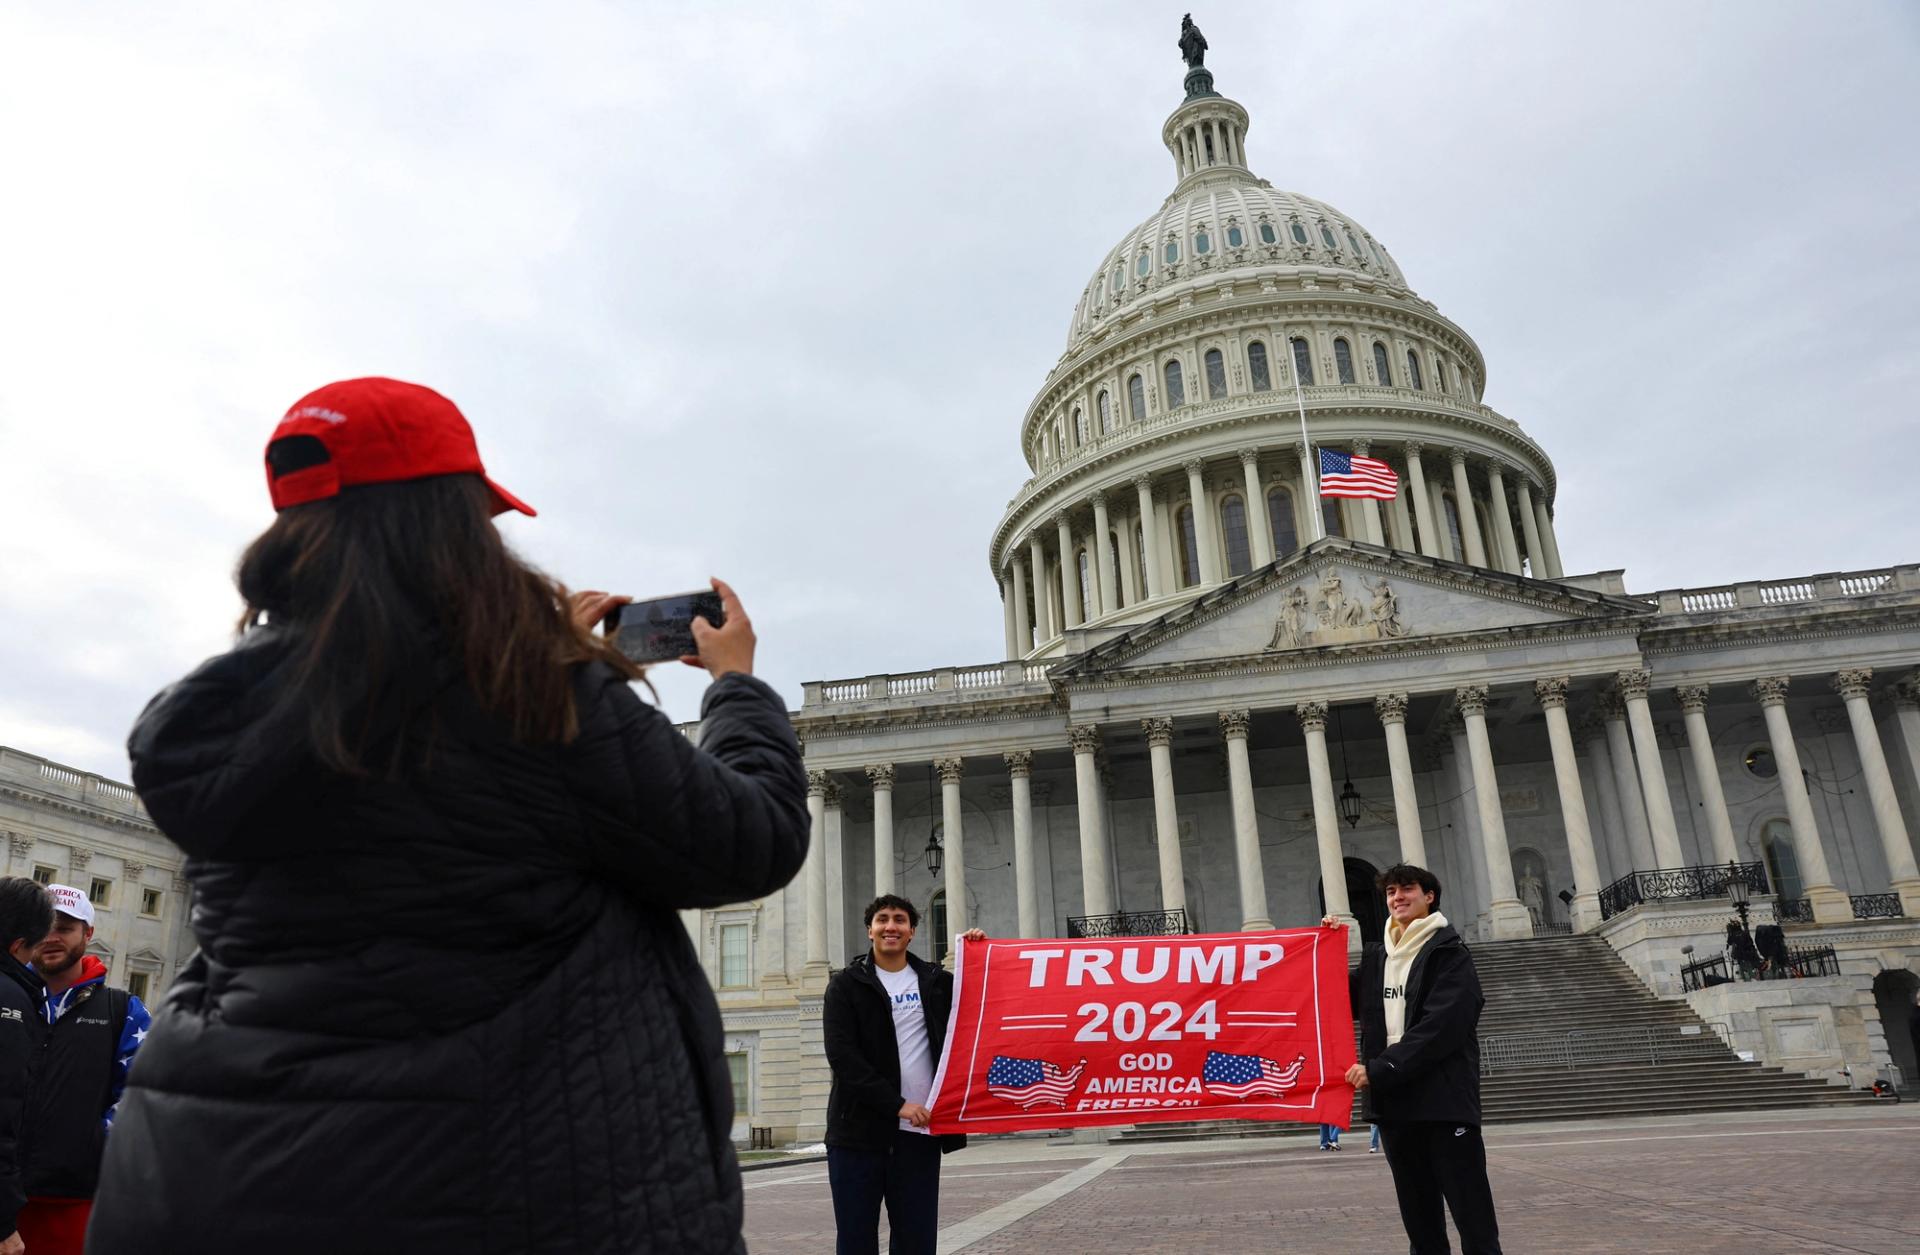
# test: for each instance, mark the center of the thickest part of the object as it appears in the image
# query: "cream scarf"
(1403, 943)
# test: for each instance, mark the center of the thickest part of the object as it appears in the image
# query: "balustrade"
(1680, 884)
(1129, 924)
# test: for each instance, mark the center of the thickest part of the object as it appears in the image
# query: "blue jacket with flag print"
(87, 1037)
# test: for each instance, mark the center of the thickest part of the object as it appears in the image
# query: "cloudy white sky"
(762, 290)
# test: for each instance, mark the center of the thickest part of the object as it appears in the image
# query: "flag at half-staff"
(1351, 475)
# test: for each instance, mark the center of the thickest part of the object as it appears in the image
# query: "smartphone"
(661, 630)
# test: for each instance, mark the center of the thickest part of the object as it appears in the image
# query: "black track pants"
(1436, 1163)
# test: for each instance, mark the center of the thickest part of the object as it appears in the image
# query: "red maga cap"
(372, 431)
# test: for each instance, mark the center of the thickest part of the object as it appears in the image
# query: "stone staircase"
(1570, 1033)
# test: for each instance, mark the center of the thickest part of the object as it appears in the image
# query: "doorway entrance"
(1368, 904)
(1893, 992)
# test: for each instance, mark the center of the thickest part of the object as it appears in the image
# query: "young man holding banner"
(885, 1021)
(1417, 997)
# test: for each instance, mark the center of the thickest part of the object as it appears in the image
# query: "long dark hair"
(384, 586)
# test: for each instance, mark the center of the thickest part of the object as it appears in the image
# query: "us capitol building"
(1225, 704)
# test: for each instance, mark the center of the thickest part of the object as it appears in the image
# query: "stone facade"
(74, 827)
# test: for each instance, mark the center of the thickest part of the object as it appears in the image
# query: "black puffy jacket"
(456, 1013)
(1433, 1071)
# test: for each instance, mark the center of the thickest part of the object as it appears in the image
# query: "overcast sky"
(763, 290)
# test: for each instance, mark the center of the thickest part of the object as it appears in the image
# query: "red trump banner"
(1132, 1030)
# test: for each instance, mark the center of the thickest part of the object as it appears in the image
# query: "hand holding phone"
(704, 628)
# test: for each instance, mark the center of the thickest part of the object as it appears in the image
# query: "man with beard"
(88, 1033)
(25, 917)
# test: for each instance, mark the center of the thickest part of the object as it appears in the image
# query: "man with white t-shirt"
(885, 1023)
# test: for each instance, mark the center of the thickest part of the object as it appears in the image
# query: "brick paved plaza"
(1799, 1182)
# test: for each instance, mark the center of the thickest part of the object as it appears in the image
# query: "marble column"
(880, 776)
(1206, 535)
(1585, 909)
(1830, 905)
(1309, 495)
(1544, 518)
(1369, 508)
(1402, 520)
(1906, 712)
(1069, 572)
(1326, 819)
(1150, 536)
(836, 902)
(1106, 578)
(1006, 613)
(1392, 709)
(1626, 783)
(1166, 815)
(1536, 561)
(1423, 512)
(1043, 628)
(1508, 915)
(1025, 891)
(1905, 876)
(1713, 799)
(1467, 810)
(1234, 725)
(1633, 685)
(1607, 797)
(1022, 624)
(1259, 530)
(816, 876)
(1509, 556)
(1463, 501)
(1096, 877)
(954, 847)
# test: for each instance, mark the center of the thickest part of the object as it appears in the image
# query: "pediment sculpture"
(1327, 616)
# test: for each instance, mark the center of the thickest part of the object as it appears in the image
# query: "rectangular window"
(737, 1073)
(735, 970)
(137, 985)
(150, 902)
(43, 874)
(100, 892)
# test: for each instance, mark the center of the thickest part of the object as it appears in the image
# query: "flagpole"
(1312, 459)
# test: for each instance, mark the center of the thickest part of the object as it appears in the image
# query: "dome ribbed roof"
(1200, 224)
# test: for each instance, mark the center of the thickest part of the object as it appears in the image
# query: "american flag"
(1350, 475)
(1032, 1082)
(1243, 1076)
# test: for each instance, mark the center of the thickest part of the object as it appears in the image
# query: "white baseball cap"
(70, 901)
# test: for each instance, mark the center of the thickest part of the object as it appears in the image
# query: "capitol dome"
(1221, 349)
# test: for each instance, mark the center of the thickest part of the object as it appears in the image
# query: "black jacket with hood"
(1433, 1071)
(455, 1012)
(863, 1107)
(21, 990)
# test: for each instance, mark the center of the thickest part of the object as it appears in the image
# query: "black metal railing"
(1679, 884)
(1553, 928)
(1876, 906)
(1702, 973)
(1813, 961)
(1793, 910)
(1129, 924)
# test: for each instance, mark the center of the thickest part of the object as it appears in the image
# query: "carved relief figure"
(1385, 611)
(1335, 609)
(1291, 631)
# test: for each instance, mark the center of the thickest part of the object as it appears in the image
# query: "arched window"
(1413, 371)
(1266, 233)
(1106, 412)
(1234, 238)
(1355, 245)
(1119, 279)
(1233, 529)
(1189, 548)
(1119, 588)
(1257, 367)
(937, 913)
(1143, 265)
(1380, 364)
(1453, 526)
(1140, 559)
(1202, 245)
(1331, 520)
(1137, 398)
(1085, 562)
(1328, 237)
(1302, 361)
(1216, 375)
(1286, 533)
(1439, 374)
(1776, 841)
(1176, 391)
(1173, 251)
(1299, 232)
(1342, 361)
(1079, 426)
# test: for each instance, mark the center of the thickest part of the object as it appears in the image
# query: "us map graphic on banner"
(1131, 1030)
